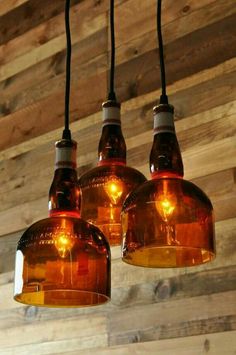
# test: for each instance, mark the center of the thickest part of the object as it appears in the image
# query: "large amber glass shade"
(62, 262)
(168, 222)
(104, 190)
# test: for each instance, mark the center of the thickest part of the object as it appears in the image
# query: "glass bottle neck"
(64, 193)
(112, 147)
(165, 156)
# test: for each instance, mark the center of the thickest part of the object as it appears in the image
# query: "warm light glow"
(165, 208)
(62, 262)
(63, 239)
(64, 243)
(114, 189)
(165, 202)
(169, 223)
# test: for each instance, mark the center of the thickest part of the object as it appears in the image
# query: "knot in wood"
(31, 312)
(136, 338)
(163, 290)
(97, 2)
(133, 90)
(186, 9)
(207, 345)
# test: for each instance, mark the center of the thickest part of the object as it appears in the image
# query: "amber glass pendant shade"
(167, 221)
(105, 187)
(63, 261)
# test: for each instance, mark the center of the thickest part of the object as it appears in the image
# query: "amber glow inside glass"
(104, 190)
(168, 222)
(62, 262)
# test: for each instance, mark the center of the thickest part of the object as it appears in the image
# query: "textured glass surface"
(168, 222)
(62, 262)
(104, 190)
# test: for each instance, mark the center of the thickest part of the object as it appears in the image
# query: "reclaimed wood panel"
(138, 74)
(179, 19)
(55, 331)
(125, 326)
(142, 106)
(212, 344)
(9, 5)
(191, 285)
(171, 311)
(32, 13)
(47, 40)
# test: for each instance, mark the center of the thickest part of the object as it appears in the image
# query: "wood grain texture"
(47, 40)
(126, 325)
(153, 311)
(31, 13)
(179, 19)
(159, 289)
(142, 107)
(132, 83)
(9, 5)
(213, 344)
(53, 331)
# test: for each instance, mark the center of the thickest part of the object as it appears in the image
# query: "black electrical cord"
(163, 97)
(111, 94)
(66, 132)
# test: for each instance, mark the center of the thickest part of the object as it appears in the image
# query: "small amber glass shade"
(104, 190)
(62, 262)
(168, 222)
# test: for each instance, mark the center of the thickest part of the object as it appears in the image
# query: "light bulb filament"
(165, 208)
(63, 241)
(114, 190)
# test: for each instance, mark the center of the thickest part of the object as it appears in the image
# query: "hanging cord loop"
(112, 95)
(163, 97)
(66, 132)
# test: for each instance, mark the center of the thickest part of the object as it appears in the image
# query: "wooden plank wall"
(183, 311)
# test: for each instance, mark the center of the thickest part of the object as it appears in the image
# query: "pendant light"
(167, 221)
(105, 187)
(63, 261)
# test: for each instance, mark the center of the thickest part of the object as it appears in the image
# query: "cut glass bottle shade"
(178, 228)
(63, 261)
(105, 187)
(167, 221)
(104, 190)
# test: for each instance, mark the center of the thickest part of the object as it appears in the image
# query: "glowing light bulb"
(165, 207)
(64, 239)
(167, 221)
(114, 189)
(105, 187)
(64, 243)
(165, 202)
